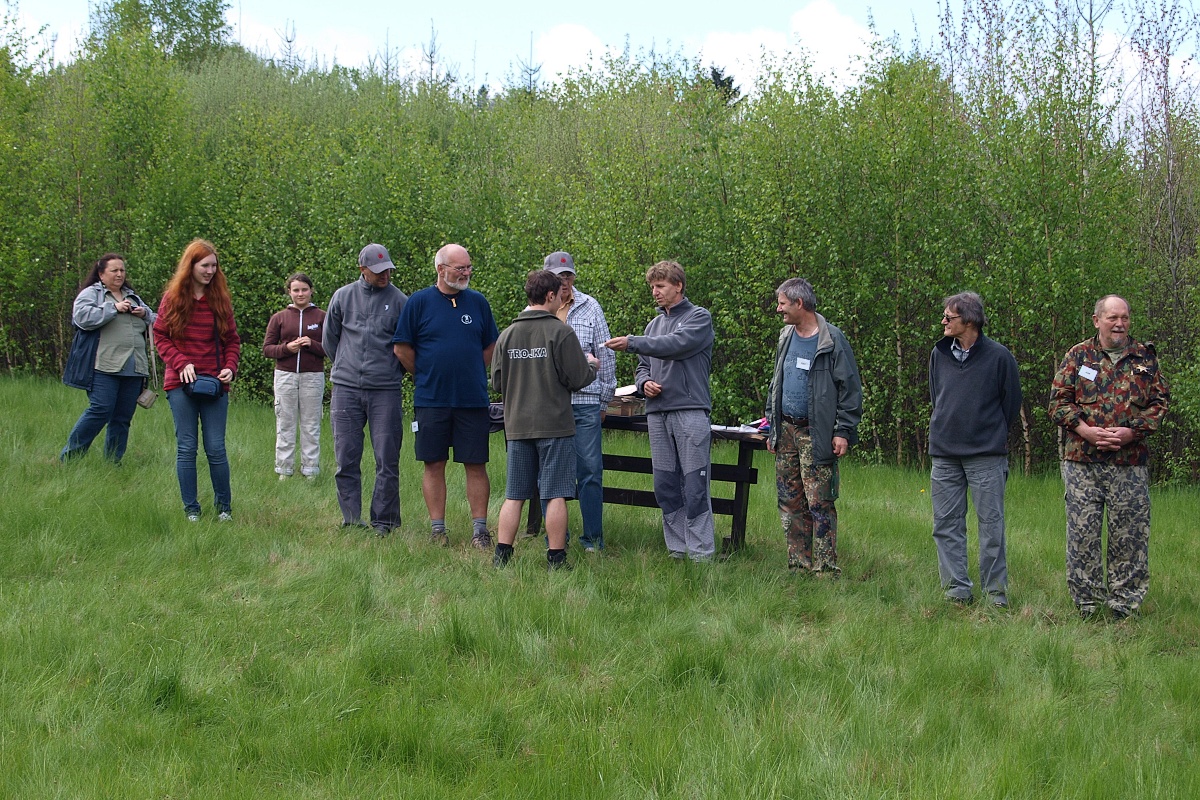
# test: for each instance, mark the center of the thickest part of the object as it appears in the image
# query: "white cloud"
(836, 43)
(566, 47)
(740, 54)
(348, 48)
(61, 36)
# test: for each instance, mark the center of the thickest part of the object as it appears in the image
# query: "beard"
(459, 284)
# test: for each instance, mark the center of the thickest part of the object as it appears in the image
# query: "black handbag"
(81, 360)
(205, 387)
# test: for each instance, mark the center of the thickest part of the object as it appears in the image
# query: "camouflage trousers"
(1125, 493)
(807, 492)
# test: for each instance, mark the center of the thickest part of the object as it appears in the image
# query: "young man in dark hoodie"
(536, 365)
(975, 390)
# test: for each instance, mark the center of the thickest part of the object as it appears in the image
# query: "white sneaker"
(193, 517)
(224, 516)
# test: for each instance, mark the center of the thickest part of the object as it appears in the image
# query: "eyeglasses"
(459, 270)
(950, 317)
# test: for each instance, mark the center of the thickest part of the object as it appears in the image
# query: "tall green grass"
(142, 656)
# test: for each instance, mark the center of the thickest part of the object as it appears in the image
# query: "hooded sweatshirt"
(287, 326)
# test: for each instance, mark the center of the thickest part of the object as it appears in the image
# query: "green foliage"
(1000, 161)
(187, 31)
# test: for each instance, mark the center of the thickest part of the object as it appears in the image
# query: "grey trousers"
(985, 476)
(350, 410)
(681, 451)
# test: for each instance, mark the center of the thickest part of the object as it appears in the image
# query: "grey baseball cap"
(375, 258)
(559, 262)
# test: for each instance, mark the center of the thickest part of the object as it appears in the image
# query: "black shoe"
(962, 602)
(500, 560)
(565, 565)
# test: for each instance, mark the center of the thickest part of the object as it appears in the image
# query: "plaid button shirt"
(586, 318)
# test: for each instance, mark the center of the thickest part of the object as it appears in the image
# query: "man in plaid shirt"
(585, 316)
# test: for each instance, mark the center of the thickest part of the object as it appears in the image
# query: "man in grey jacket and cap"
(366, 379)
(674, 360)
(814, 404)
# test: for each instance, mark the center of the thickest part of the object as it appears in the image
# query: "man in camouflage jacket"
(1108, 396)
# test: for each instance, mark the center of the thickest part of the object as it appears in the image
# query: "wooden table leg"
(741, 498)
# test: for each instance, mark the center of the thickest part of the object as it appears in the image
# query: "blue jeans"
(589, 473)
(112, 401)
(209, 417)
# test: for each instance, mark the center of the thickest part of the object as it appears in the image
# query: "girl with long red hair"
(196, 336)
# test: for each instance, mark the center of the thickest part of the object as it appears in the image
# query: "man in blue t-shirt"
(444, 338)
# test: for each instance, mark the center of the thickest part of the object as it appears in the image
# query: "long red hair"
(181, 302)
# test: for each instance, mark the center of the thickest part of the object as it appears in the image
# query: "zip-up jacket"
(536, 365)
(676, 353)
(289, 325)
(834, 391)
(93, 309)
(358, 335)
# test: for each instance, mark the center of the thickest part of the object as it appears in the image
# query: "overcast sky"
(484, 41)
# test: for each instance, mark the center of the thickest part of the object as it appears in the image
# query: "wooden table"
(742, 475)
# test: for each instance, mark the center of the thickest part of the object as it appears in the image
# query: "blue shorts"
(547, 464)
(439, 429)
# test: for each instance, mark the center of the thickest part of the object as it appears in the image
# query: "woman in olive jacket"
(108, 303)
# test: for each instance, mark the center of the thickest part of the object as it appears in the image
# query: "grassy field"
(145, 657)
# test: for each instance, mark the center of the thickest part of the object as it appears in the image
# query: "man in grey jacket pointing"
(674, 360)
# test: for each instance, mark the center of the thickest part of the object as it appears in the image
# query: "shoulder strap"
(153, 357)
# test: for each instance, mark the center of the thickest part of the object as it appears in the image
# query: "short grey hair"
(969, 307)
(799, 290)
(1100, 304)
